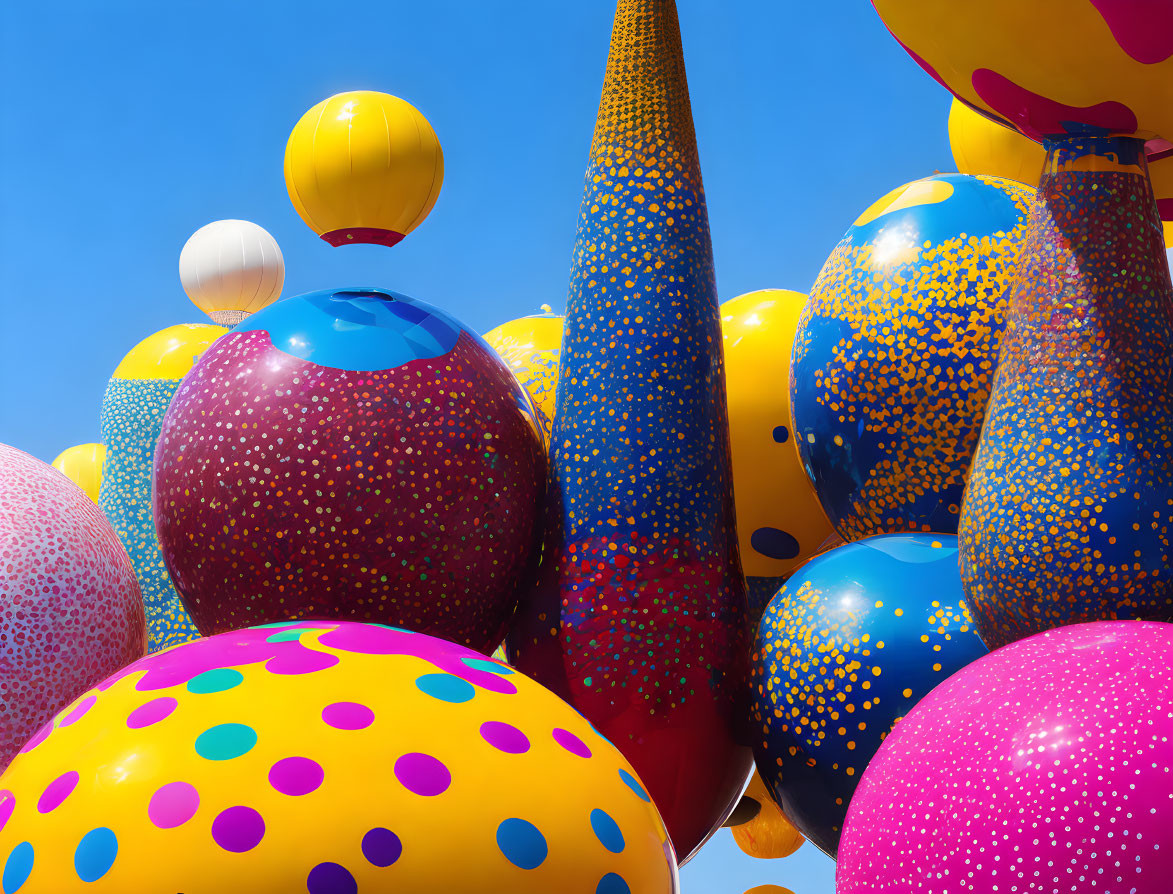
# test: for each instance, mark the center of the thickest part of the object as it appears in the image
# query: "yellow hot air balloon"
(780, 522)
(532, 347)
(363, 167)
(759, 826)
(82, 464)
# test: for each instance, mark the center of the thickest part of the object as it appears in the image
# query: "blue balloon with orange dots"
(852, 641)
(895, 353)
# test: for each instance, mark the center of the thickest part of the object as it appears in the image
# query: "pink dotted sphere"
(350, 453)
(1043, 767)
(328, 757)
(70, 609)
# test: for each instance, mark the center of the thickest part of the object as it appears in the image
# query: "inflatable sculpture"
(1069, 505)
(532, 348)
(981, 788)
(230, 269)
(132, 415)
(70, 612)
(82, 464)
(856, 637)
(896, 349)
(638, 618)
(328, 758)
(759, 826)
(351, 453)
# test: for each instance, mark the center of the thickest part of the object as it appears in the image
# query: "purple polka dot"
(57, 791)
(152, 712)
(173, 805)
(38, 737)
(7, 805)
(238, 829)
(504, 737)
(571, 742)
(422, 774)
(348, 715)
(295, 775)
(330, 878)
(381, 847)
(77, 713)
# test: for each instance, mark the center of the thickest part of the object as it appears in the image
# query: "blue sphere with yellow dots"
(895, 353)
(852, 641)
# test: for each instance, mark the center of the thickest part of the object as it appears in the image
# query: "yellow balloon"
(363, 167)
(170, 353)
(532, 348)
(82, 464)
(768, 834)
(780, 522)
(981, 146)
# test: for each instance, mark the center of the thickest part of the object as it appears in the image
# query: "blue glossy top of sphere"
(360, 329)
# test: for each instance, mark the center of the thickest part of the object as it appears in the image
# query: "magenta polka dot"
(37, 738)
(348, 715)
(7, 805)
(504, 737)
(151, 712)
(422, 774)
(238, 829)
(571, 742)
(57, 791)
(80, 709)
(173, 805)
(295, 776)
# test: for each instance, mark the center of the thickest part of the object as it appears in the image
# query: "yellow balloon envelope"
(981, 146)
(768, 834)
(363, 167)
(82, 464)
(780, 523)
(168, 354)
(532, 348)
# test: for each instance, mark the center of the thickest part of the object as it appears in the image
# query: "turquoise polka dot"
(446, 688)
(607, 831)
(95, 854)
(521, 843)
(226, 741)
(484, 664)
(612, 883)
(217, 680)
(632, 783)
(17, 868)
(285, 636)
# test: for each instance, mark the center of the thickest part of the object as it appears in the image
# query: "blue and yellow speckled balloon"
(855, 638)
(132, 415)
(895, 353)
(638, 617)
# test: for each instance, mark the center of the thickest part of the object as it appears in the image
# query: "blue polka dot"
(521, 843)
(781, 434)
(217, 680)
(607, 831)
(446, 688)
(484, 664)
(17, 868)
(632, 783)
(612, 883)
(95, 854)
(225, 741)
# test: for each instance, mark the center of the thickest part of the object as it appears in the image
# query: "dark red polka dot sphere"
(70, 609)
(350, 453)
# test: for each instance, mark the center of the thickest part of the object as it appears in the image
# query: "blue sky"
(126, 126)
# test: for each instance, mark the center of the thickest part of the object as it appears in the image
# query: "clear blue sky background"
(126, 126)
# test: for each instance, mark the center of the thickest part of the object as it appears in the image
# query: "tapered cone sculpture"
(1069, 507)
(638, 616)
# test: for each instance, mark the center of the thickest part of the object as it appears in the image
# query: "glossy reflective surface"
(1042, 768)
(532, 348)
(846, 648)
(82, 464)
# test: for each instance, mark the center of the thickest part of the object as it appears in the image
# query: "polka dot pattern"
(286, 489)
(638, 615)
(70, 611)
(1042, 768)
(532, 349)
(844, 650)
(327, 787)
(1069, 510)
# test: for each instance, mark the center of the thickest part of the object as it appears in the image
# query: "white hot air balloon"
(230, 269)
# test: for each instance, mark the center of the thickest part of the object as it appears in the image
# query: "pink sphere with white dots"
(1041, 767)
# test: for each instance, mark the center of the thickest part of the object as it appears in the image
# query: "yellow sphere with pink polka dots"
(328, 757)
